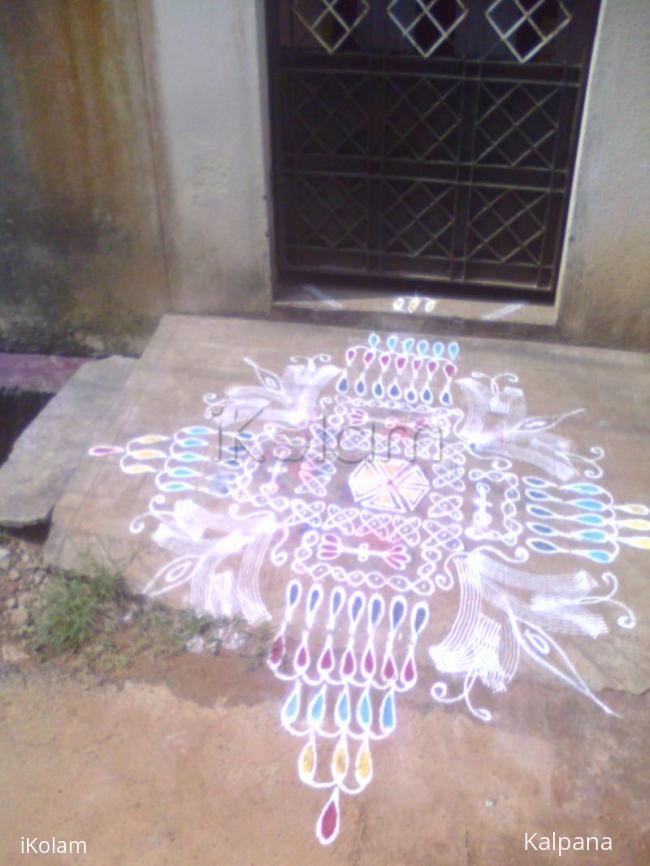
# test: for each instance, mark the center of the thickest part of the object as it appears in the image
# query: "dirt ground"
(183, 761)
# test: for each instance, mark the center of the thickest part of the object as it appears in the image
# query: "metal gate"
(425, 143)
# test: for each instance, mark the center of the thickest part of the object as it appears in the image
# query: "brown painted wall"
(81, 249)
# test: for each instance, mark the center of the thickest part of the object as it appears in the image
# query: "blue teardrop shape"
(291, 707)
(453, 350)
(391, 342)
(591, 519)
(422, 347)
(599, 555)
(198, 431)
(378, 389)
(596, 535)
(336, 600)
(540, 528)
(176, 487)
(427, 396)
(188, 457)
(538, 495)
(587, 489)
(342, 710)
(360, 387)
(542, 546)
(364, 711)
(589, 504)
(342, 384)
(420, 618)
(314, 597)
(438, 349)
(394, 391)
(387, 713)
(533, 481)
(373, 340)
(356, 607)
(408, 344)
(411, 396)
(293, 593)
(397, 611)
(446, 397)
(317, 707)
(376, 610)
(539, 511)
(192, 442)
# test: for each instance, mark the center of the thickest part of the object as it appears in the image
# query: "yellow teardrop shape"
(634, 524)
(363, 767)
(137, 469)
(340, 762)
(151, 439)
(640, 541)
(634, 508)
(307, 762)
(147, 454)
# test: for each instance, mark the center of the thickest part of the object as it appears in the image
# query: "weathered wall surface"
(208, 68)
(134, 174)
(81, 253)
(605, 285)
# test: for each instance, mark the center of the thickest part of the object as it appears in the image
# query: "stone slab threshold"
(52, 447)
(159, 503)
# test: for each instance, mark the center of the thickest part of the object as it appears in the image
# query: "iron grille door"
(426, 142)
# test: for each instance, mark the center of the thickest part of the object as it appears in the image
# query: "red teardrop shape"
(432, 366)
(384, 359)
(328, 823)
(417, 363)
(327, 660)
(302, 659)
(408, 674)
(348, 664)
(369, 663)
(368, 357)
(389, 668)
(400, 362)
(450, 369)
(277, 651)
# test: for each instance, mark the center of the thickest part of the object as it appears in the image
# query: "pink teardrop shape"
(389, 668)
(277, 651)
(349, 355)
(384, 360)
(450, 369)
(327, 660)
(408, 673)
(368, 357)
(369, 663)
(432, 366)
(327, 828)
(417, 363)
(348, 664)
(400, 362)
(302, 659)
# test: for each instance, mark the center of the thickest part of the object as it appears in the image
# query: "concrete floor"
(541, 633)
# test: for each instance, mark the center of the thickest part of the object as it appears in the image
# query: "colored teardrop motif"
(340, 760)
(277, 651)
(307, 761)
(363, 764)
(327, 828)
(408, 671)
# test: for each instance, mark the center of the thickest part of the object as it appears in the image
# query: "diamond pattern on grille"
(409, 18)
(517, 124)
(332, 212)
(535, 22)
(331, 114)
(418, 218)
(327, 22)
(507, 226)
(422, 119)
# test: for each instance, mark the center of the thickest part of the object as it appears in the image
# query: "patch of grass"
(76, 609)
